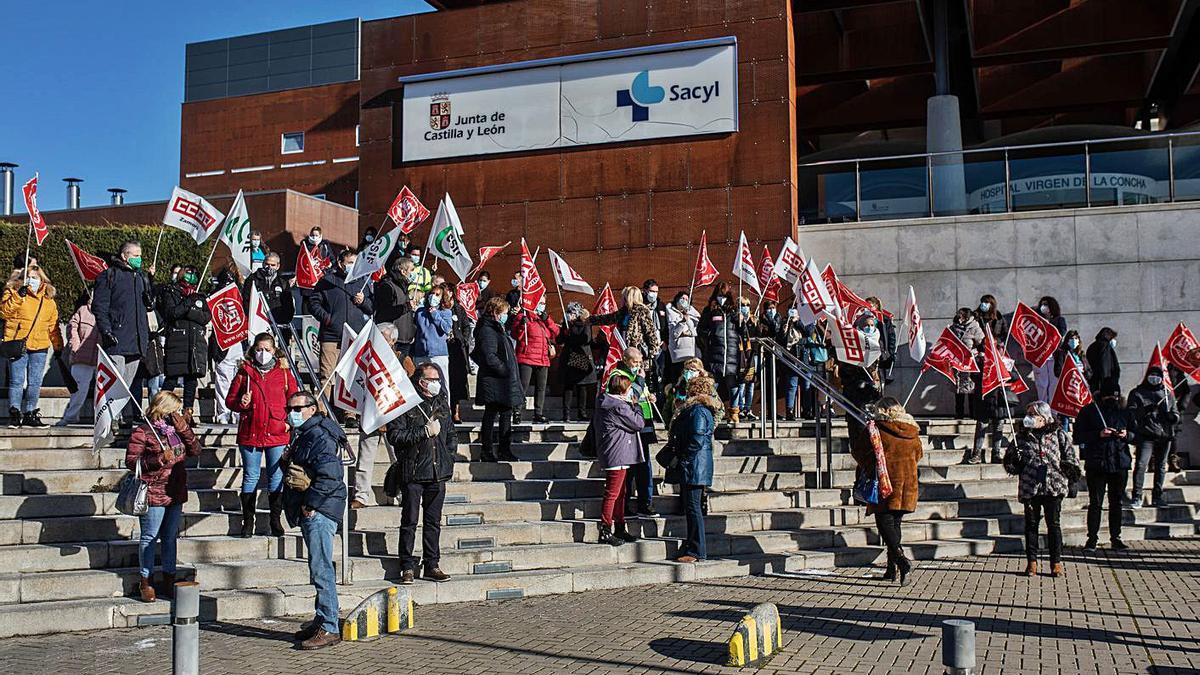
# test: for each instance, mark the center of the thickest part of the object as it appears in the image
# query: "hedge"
(101, 240)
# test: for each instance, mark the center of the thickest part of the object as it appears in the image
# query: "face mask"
(1073, 343)
(771, 314)
(985, 306)
(415, 258)
(135, 262)
(1030, 421)
(1113, 342)
(503, 319)
(483, 284)
(681, 305)
(516, 282)
(295, 418)
(1154, 380)
(190, 278)
(264, 356)
(541, 309)
(1045, 309)
(688, 375)
(255, 243)
(270, 272)
(369, 238)
(744, 310)
(721, 300)
(433, 387)
(652, 297)
(793, 314)
(314, 239)
(34, 284)
(432, 300)
(869, 328)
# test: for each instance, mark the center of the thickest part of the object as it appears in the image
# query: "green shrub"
(100, 240)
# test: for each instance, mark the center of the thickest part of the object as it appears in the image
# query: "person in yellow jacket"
(30, 331)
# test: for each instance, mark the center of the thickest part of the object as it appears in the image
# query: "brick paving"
(1133, 612)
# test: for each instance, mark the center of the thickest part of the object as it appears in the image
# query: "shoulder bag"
(15, 349)
(133, 498)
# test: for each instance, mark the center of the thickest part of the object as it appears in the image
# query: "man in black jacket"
(120, 301)
(276, 292)
(425, 441)
(1103, 433)
(391, 293)
(1155, 415)
(335, 303)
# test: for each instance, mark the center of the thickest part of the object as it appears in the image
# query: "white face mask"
(369, 238)
(652, 297)
(314, 239)
(34, 284)
(541, 309)
(1113, 342)
(1045, 309)
(433, 387)
(1030, 421)
(264, 356)
(415, 258)
(516, 282)
(432, 300)
(255, 243)
(793, 314)
(483, 283)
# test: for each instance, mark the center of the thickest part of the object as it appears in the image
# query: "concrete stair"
(68, 558)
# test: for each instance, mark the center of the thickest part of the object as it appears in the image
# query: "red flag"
(486, 253)
(615, 349)
(407, 211)
(532, 288)
(767, 279)
(995, 373)
(468, 295)
(949, 356)
(852, 304)
(1181, 351)
(1019, 385)
(606, 303)
(705, 272)
(1038, 338)
(40, 229)
(308, 270)
(89, 266)
(1072, 393)
(1156, 359)
(229, 321)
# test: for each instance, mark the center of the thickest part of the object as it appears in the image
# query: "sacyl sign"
(681, 89)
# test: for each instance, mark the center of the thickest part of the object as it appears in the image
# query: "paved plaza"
(1133, 612)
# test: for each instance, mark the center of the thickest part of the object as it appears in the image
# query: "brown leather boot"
(320, 640)
(1056, 570)
(146, 590)
(1031, 568)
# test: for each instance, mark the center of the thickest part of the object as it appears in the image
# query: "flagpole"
(28, 236)
(209, 261)
(914, 387)
(161, 229)
(558, 287)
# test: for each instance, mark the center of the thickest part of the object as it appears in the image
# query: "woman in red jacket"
(535, 334)
(259, 393)
(160, 446)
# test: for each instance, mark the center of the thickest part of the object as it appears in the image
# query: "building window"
(319, 195)
(292, 143)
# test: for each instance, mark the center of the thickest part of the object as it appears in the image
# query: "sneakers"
(320, 640)
(540, 419)
(1159, 503)
(407, 577)
(435, 574)
(14, 418)
(1136, 503)
(1091, 544)
(750, 416)
(33, 419)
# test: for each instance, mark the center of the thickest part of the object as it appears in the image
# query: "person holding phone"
(1104, 432)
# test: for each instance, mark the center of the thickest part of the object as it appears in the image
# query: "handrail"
(812, 377)
(1003, 148)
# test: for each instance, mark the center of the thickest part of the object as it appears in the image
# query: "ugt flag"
(916, 331)
(1038, 338)
(388, 394)
(1072, 393)
(36, 222)
(228, 316)
(309, 270)
(486, 253)
(743, 264)
(950, 356)
(767, 279)
(446, 239)
(192, 214)
(1182, 350)
(467, 295)
(705, 272)
(407, 211)
(606, 303)
(112, 393)
(89, 266)
(236, 233)
(566, 276)
(372, 258)
(1157, 359)
(997, 368)
(532, 288)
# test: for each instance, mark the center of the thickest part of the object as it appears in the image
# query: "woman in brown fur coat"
(902, 450)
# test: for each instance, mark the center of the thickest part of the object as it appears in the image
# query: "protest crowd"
(375, 339)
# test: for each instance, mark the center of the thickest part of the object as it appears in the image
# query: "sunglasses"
(298, 408)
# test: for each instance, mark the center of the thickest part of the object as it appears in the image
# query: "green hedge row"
(100, 240)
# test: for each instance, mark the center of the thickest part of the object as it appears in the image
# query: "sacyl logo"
(639, 96)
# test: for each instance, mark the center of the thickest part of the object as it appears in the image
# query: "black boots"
(623, 534)
(14, 418)
(275, 499)
(33, 419)
(607, 537)
(248, 504)
(904, 567)
(890, 574)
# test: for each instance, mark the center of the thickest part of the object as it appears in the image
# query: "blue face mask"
(503, 319)
(688, 375)
(483, 284)
(771, 314)
(744, 310)
(1113, 342)
(1073, 343)
(295, 419)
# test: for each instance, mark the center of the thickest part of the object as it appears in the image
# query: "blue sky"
(95, 88)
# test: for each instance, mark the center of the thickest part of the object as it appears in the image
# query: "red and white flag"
(852, 304)
(387, 393)
(36, 222)
(1181, 350)
(467, 294)
(1072, 393)
(229, 322)
(616, 349)
(743, 265)
(309, 269)
(813, 295)
(1157, 359)
(192, 214)
(566, 277)
(407, 211)
(260, 320)
(705, 272)
(1038, 338)
(89, 266)
(486, 253)
(112, 393)
(532, 288)
(997, 368)
(852, 346)
(916, 330)
(348, 394)
(949, 356)
(790, 264)
(767, 279)
(606, 303)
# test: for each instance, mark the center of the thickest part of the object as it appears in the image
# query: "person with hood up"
(30, 315)
(1045, 379)
(425, 444)
(1102, 357)
(617, 421)
(1155, 415)
(691, 432)
(187, 316)
(1047, 465)
(1103, 432)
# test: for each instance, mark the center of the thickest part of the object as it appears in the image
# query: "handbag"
(866, 489)
(133, 493)
(15, 349)
(577, 360)
(297, 478)
(587, 447)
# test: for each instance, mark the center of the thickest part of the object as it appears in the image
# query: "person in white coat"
(682, 322)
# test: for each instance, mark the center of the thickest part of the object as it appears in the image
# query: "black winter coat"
(419, 458)
(120, 301)
(391, 300)
(576, 339)
(275, 293)
(187, 319)
(456, 345)
(1154, 413)
(1105, 366)
(1104, 454)
(498, 381)
(332, 303)
(316, 447)
(719, 332)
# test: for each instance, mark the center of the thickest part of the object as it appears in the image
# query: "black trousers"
(428, 497)
(888, 524)
(726, 384)
(536, 374)
(189, 385)
(1034, 508)
(487, 436)
(1099, 484)
(581, 397)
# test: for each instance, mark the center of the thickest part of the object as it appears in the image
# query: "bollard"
(958, 646)
(185, 636)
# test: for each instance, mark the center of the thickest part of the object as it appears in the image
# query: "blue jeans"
(744, 397)
(159, 525)
(27, 370)
(318, 531)
(252, 467)
(694, 545)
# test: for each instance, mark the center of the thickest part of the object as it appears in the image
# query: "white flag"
(812, 295)
(916, 332)
(743, 264)
(308, 340)
(446, 239)
(790, 262)
(192, 214)
(260, 320)
(568, 279)
(372, 258)
(347, 393)
(112, 393)
(852, 345)
(236, 233)
(388, 394)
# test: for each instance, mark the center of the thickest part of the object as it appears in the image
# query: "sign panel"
(665, 91)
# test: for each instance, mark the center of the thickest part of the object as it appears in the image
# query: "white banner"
(665, 91)
(260, 320)
(192, 214)
(236, 233)
(372, 258)
(446, 239)
(387, 393)
(111, 395)
(566, 276)
(308, 339)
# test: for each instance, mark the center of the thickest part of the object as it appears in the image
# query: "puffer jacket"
(902, 451)
(719, 333)
(682, 330)
(187, 318)
(693, 428)
(617, 423)
(534, 335)
(1045, 461)
(263, 423)
(23, 321)
(82, 336)
(1154, 412)
(1104, 454)
(316, 447)
(332, 303)
(420, 458)
(498, 381)
(433, 330)
(163, 468)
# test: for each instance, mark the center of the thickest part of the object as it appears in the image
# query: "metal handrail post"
(829, 445)
(1171, 168)
(1087, 174)
(762, 397)
(817, 434)
(929, 182)
(857, 192)
(774, 397)
(1008, 204)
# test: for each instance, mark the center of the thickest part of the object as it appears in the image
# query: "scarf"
(172, 443)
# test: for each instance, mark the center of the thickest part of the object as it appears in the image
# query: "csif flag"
(532, 288)
(112, 393)
(37, 223)
(767, 279)
(949, 356)
(192, 214)
(386, 392)
(236, 233)
(372, 259)
(606, 303)
(486, 253)
(446, 239)
(407, 211)
(229, 322)
(743, 264)
(89, 266)
(705, 272)
(1182, 350)
(1038, 338)
(308, 269)
(566, 276)
(916, 331)
(467, 295)
(1072, 393)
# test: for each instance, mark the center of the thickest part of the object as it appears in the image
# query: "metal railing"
(1150, 168)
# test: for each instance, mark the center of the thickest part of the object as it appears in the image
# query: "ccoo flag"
(916, 332)
(743, 264)
(387, 393)
(112, 393)
(446, 239)
(192, 214)
(36, 222)
(566, 277)
(790, 264)
(236, 233)
(767, 279)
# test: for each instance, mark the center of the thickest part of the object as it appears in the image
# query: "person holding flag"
(535, 334)
(966, 328)
(1044, 376)
(719, 335)
(1103, 432)
(887, 338)
(633, 367)
(31, 330)
(1072, 351)
(988, 407)
(1103, 359)
(577, 367)
(82, 341)
(276, 293)
(186, 315)
(334, 304)
(498, 382)
(1155, 414)
(434, 324)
